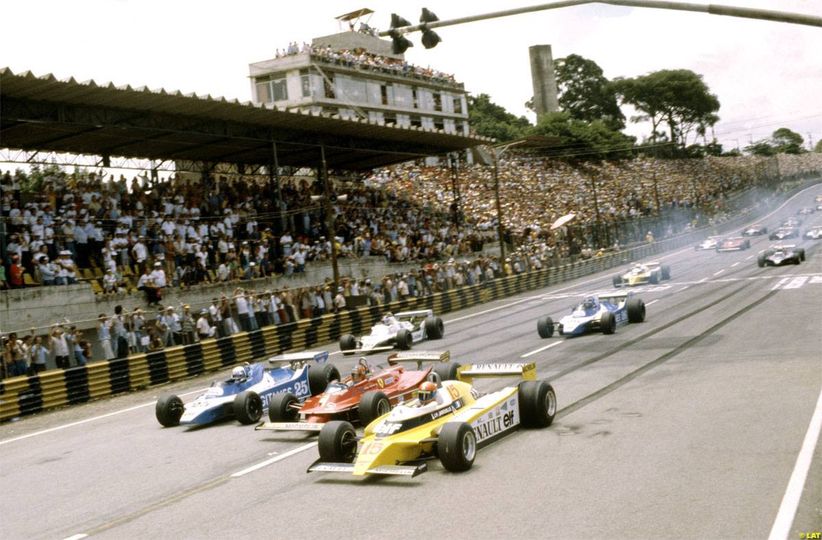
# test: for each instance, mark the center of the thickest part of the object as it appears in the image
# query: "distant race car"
(814, 233)
(781, 254)
(755, 230)
(791, 222)
(733, 243)
(708, 243)
(784, 232)
(639, 274)
(806, 210)
(818, 198)
(250, 389)
(596, 314)
(361, 397)
(449, 423)
(401, 331)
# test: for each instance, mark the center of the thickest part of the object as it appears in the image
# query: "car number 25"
(300, 388)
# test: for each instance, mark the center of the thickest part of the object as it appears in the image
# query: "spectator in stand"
(59, 347)
(47, 272)
(104, 336)
(241, 303)
(16, 273)
(119, 334)
(14, 358)
(39, 355)
(187, 326)
(204, 329)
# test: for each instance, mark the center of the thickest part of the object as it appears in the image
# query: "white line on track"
(790, 502)
(77, 537)
(274, 459)
(651, 302)
(526, 355)
(734, 264)
(748, 258)
(719, 272)
(702, 280)
(87, 420)
(683, 288)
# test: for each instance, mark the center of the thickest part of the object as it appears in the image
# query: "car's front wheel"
(404, 339)
(545, 327)
(169, 409)
(373, 405)
(457, 446)
(320, 375)
(282, 407)
(337, 442)
(607, 323)
(248, 407)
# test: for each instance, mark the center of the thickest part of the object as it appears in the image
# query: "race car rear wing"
(419, 357)
(469, 372)
(613, 295)
(408, 314)
(300, 358)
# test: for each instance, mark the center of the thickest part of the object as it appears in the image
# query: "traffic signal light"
(429, 37)
(399, 43)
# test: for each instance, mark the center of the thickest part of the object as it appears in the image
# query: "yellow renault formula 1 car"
(450, 425)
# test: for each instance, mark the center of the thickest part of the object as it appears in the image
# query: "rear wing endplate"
(419, 357)
(469, 372)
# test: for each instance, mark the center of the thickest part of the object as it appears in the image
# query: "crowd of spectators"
(182, 231)
(361, 59)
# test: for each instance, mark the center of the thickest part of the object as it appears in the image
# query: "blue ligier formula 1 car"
(249, 390)
(596, 314)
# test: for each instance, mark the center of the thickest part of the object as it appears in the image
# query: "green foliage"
(491, 120)
(585, 93)
(678, 98)
(787, 141)
(818, 147)
(761, 148)
(581, 140)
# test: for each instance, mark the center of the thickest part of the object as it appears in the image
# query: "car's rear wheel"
(801, 253)
(653, 279)
(337, 442)
(248, 407)
(617, 281)
(457, 446)
(282, 408)
(348, 343)
(636, 310)
(760, 261)
(545, 327)
(447, 371)
(666, 272)
(169, 409)
(373, 405)
(537, 404)
(404, 339)
(434, 327)
(607, 323)
(320, 375)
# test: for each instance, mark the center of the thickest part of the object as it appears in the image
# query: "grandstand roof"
(44, 113)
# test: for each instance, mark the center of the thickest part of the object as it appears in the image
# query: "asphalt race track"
(690, 425)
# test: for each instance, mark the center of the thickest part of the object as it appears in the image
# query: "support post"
(330, 218)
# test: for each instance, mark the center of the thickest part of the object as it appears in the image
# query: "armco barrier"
(28, 395)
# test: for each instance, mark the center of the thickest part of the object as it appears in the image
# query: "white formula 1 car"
(401, 330)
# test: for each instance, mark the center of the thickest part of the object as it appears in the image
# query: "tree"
(579, 140)
(678, 98)
(585, 93)
(490, 120)
(818, 147)
(761, 148)
(787, 141)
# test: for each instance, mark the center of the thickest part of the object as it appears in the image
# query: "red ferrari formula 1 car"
(363, 396)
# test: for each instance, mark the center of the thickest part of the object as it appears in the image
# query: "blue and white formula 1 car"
(596, 314)
(249, 390)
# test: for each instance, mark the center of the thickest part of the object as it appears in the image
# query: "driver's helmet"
(387, 318)
(427, 392)
(238, 373)
(359, 373)
(589, 302)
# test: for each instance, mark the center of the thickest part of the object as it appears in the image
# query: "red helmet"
(426, 392)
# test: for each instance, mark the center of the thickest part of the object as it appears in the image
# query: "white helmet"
(238, 372)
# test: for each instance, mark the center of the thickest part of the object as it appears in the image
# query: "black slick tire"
(348, 343)
(248, 407)
(447, 371)
(545, 327)
(281, 408)
(537, 404)
(373, 405)
(636, 310)
(434, 327)
(320, 375)
(607, 323)
(169, 409)
(404, 340)
(457, 446)
(337, 442)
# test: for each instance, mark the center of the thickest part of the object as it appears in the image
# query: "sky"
(766, 75)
